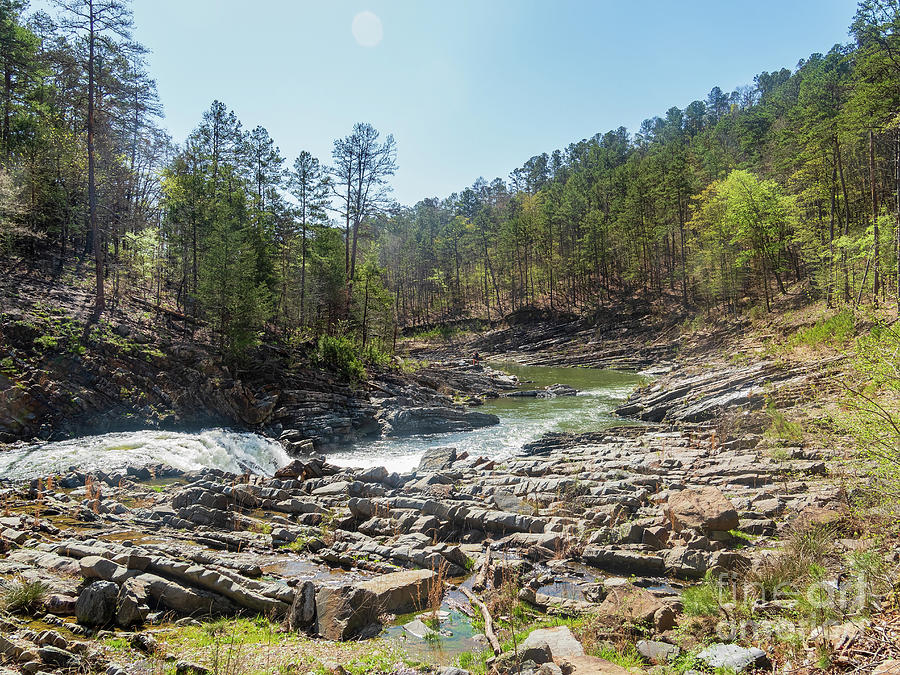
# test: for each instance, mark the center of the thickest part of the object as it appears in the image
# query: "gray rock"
(437, 459)
(400, 592)
(96, 604)
(560, 642)
(56, 657)
(657, 652)
(537, 650)
(96, 567)
(131, 604)
(433, 420)
(506, 501)
(190, 668)
(549, 669)
(705, 509)
(303, 610)
(418, 628)
(732, 656)
(345, 612)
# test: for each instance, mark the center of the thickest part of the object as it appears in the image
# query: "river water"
(521, 420)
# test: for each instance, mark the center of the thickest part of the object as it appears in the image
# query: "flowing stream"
(521, 420)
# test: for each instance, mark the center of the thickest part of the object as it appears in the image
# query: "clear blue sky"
(468, 88)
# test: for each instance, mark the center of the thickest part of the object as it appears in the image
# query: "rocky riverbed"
(611, 525)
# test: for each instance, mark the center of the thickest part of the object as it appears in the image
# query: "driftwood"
(482, 579)
(488, 622)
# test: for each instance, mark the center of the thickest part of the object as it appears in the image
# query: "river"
(521, 420)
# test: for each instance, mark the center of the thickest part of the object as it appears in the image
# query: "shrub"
(23, 596)
(874, 403)
(798, 561)
(341, 354)
(375, 355)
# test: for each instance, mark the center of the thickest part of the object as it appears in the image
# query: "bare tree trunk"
(303, 274)
(100, 302)
(875, 278)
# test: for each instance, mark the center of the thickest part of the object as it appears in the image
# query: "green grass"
(378, 660)
(702, 599)
(474, 662)
(242, 631)
(118, 644)
(782, 430)
(834, 331)
(626, 657)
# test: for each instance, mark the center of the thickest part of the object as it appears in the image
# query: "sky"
(468, 88)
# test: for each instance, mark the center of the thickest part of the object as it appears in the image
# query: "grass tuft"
(23, 596)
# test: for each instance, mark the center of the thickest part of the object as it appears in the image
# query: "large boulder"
(345, 612)
(401, 592)
(303, 610)
(437, 459)
(96, 605)
(558, 643)
(433, 420)
(630, 603)
(705, 509)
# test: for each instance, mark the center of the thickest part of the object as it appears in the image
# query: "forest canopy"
(719, 206)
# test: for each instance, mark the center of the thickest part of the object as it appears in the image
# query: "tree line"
(720, 205)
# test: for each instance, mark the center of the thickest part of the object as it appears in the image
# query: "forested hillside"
(718, 206)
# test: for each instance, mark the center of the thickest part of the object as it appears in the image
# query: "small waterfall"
(224, 449)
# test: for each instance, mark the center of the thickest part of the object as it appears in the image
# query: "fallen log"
(488, 622)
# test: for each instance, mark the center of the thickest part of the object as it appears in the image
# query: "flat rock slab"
(735, 657)
(592, 665)
(400, 592)
(657, 652)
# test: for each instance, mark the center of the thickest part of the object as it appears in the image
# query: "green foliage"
(737, 534)
(624, 657)
(375, 355)
(796, 563)
(874, 405)
(341, 354)
(59, 332)
(723, 205)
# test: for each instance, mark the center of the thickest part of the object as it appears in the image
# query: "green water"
(522, 419)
